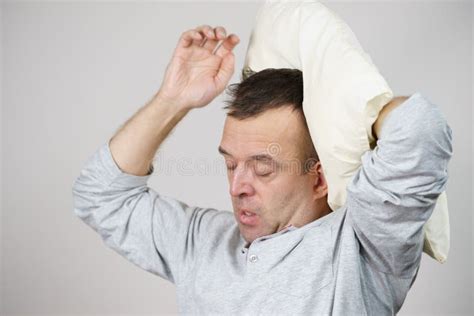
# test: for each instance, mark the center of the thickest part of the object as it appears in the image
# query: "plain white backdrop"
(73, 72)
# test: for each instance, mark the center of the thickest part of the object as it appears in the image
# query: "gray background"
(72, 73)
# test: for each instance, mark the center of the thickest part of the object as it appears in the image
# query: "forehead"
(277, 131)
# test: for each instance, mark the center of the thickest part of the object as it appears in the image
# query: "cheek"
(280, 198)
(295, 191)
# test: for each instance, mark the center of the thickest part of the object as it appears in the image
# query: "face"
(264, 158)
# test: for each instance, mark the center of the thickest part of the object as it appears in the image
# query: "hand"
(196, 75)
(387, 108)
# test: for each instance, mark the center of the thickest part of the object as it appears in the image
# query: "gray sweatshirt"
(360, 259)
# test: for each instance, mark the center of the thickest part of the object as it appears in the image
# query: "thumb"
(225, 71)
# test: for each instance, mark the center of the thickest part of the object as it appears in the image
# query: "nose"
(241, 182)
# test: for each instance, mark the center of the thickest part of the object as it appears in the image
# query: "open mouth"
(248, 218)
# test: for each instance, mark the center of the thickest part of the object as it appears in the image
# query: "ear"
(320, 187)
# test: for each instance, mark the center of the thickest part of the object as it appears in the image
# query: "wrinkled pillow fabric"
(343, 93)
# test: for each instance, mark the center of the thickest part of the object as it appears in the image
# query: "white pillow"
(343, 93)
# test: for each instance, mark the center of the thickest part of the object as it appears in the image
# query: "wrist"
(162, 101)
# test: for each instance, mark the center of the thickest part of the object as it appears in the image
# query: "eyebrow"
(223, 151)
(259, 157)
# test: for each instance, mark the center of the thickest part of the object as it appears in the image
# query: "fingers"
(214, 40)
(216, 34)
(227, 45)
(212, 36)
(225, 71)
(188, 37)
(220, 32)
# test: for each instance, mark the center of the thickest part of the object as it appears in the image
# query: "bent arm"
(158, 233)
(134, 146)
(195, 75)
(377, 126)
(394, 192)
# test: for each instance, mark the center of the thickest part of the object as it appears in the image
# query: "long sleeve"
(395, 190)
(157, 233)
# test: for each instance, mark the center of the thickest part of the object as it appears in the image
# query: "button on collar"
(253, 258)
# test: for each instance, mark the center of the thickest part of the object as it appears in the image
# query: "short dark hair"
(269, 89)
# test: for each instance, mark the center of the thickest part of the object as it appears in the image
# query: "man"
(282, 250)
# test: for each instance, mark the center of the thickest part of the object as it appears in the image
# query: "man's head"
(273, 167)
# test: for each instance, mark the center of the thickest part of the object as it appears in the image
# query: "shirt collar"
(245, 245)
(285, 229)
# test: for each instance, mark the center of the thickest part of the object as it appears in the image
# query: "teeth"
(248, 214)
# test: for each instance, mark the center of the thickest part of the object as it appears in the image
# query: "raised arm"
(157, 233)
(194, 77)
(394, 192)
(396, 101)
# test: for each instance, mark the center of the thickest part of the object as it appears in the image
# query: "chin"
(247, 234)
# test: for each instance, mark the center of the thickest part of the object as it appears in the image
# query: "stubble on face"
(278, 198)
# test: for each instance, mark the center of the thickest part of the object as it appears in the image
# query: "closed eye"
(264, 168)
(230, 166)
